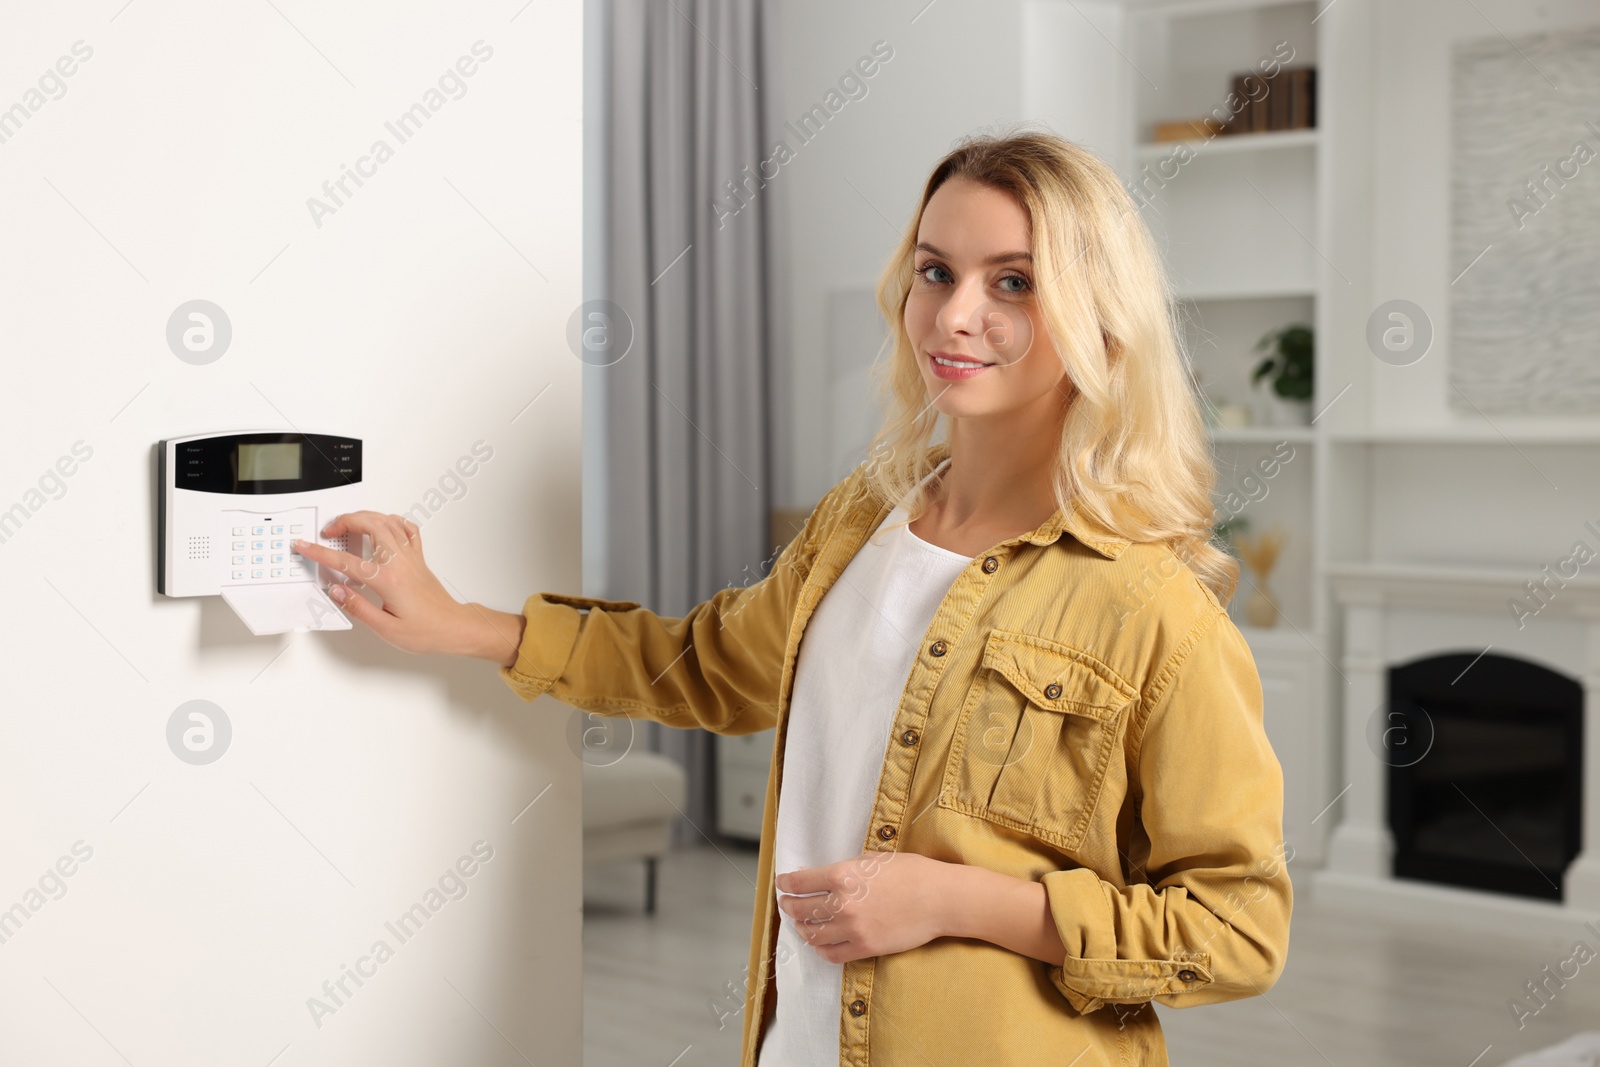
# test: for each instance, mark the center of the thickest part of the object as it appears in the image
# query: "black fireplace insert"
(1485, 757)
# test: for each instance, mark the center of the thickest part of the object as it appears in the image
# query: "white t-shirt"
(854, 660)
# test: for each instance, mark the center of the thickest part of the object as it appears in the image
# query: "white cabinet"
(1297, 726)
(743, 765)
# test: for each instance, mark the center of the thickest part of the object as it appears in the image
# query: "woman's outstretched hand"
(416, 612)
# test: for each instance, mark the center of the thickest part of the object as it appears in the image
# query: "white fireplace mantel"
(1466, 587)
(1394, 612)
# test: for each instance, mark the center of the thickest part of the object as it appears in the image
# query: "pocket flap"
(591, 602)
(1039, 666)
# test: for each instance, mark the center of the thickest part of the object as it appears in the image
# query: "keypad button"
(258, 530)
(238, 575)
(258, 559)
(277, 572)
(277, 544)
(296, 528)
(258, 545)
(277, 529)
(238, 546)
(238, 560)
(278, 557)
(256, 574)
(238, 531)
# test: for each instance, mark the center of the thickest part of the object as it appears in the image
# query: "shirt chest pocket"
(1034, 737)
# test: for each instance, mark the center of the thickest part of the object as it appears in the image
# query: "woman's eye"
(933, 274)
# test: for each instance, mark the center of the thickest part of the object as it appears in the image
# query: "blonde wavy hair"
(1135, 457)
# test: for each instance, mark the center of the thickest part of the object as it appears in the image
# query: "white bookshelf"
(1499, 432)
(1407, 496)
(1281, 291)
(1263, 434)
(1237, 217)
(1242, 222)
(1273, 141)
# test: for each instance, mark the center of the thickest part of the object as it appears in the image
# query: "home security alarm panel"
(232, 505)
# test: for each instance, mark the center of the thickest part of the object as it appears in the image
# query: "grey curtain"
(686, 467)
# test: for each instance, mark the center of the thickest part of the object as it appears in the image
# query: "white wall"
(422, 316)
(852, 189)
(1488, 503)
(959, 67)
(1073, 76)
(1411, 219)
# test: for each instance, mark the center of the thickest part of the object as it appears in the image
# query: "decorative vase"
(1260, 610)
(1260, 554)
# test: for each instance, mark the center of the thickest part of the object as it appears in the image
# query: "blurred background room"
(588, 289)
(1388, 265)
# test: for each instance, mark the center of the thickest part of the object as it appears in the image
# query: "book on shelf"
(1269, 104)
(1303, 98)
(1284, 101)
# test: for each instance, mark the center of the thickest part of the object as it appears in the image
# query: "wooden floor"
(1356, 992)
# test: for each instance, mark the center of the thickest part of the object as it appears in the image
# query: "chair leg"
(649, 885)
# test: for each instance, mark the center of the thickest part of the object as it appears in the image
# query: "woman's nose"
(962, 312)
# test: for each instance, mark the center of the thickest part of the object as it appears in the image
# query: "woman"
(1021, 787)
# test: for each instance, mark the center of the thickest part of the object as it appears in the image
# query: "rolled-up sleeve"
(1211, 921)
(717, 667)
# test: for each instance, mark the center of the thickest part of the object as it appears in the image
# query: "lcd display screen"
(269, 462)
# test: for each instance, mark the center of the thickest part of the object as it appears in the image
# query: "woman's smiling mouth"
(955, 368)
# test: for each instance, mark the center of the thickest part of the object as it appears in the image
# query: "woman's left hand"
(877, 903)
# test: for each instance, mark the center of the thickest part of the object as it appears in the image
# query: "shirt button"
(858, 1007)
(991, 565)
(1052, 690)
(886, 832)
(909, 737)
(1187, 975)
(938, 648)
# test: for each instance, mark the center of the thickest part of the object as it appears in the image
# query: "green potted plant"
(1288, 359)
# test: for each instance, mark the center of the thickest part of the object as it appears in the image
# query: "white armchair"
(628, 810)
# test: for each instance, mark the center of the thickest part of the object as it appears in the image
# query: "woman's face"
(973, 299)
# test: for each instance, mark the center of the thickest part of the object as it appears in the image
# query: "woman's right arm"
(717, 667)
(492, 635)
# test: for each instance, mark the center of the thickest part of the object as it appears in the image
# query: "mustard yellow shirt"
(1082, 713)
